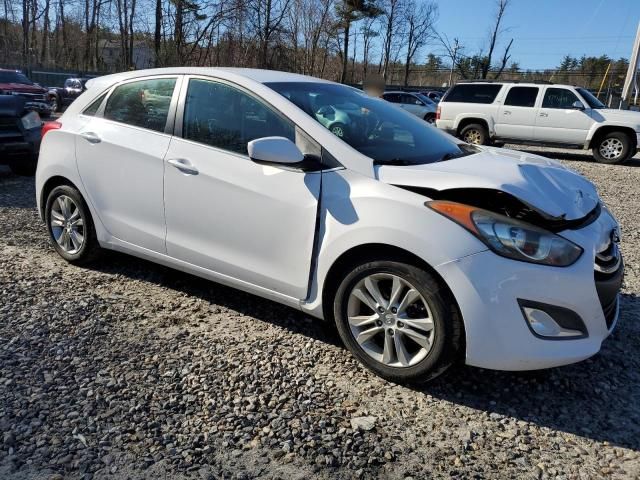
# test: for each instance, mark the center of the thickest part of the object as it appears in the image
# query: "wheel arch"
(368, 252)
(49, 185)
(605, 129)
(469, 120)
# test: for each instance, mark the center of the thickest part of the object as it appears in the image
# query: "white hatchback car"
(421, 248)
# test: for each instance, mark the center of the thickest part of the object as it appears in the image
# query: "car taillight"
(438, 113)
(48, 126)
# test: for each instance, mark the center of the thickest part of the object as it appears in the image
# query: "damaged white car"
(422, 249)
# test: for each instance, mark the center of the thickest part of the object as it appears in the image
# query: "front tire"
(398, 321)
(612, 148)
(70, 226)
(475, 134)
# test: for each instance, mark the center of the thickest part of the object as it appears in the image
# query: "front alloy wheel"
(613, 147)
(398, 320)
(395, 327)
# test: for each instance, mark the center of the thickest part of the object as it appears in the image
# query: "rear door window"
(522, 96)
(144, 103)
(473, 93)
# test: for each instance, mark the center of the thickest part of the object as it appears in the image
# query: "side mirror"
(274, 150)
(418, 102)
(577, 105)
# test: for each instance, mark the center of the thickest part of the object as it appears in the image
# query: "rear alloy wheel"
(338, 129)
(614, 147)
(475, 134)
(70, 226)
(392, 317)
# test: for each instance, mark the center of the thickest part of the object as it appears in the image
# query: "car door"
(248, 221)
(412, 104)
(559, 121)
(120, 154)
(517, 114)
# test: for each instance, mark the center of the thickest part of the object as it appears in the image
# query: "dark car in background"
(15, 83)
(20, 135)
(63, 97)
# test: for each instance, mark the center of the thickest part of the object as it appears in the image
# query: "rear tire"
(613, 147)
(428, 329)
(70, 226)
(475, 134)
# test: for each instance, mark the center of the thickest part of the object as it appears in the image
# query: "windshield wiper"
(393, 161)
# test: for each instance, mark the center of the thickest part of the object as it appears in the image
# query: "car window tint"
(95, 105)
(559, 98)
(392, 97)
(522, 96)
(409, 99)
(225, 117)
(144, 103)
(473, 93)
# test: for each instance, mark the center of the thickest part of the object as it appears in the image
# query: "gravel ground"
(131, 370)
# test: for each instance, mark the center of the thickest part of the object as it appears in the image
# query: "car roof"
(255, 74)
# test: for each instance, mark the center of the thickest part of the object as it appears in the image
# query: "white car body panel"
(540, 182)
(277, 233)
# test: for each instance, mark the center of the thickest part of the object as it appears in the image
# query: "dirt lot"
(130, 370)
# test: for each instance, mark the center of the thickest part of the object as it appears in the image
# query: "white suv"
(536, 113)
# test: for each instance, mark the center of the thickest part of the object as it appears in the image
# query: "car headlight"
(31, 120)
(509, 237)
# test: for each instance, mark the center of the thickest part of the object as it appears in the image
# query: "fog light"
(552, 322)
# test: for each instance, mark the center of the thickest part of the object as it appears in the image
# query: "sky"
(544, 31)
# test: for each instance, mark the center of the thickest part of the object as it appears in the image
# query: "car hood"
(629, 116)
(21, 88)
(543, 184)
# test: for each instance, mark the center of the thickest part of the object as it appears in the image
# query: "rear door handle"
(91, 137)
(543, 114)
(183, 165)
(506, 112)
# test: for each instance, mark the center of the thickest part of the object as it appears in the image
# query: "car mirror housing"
(274, 150)
(577, 105)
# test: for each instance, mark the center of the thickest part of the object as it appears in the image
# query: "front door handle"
(183, 165)
(543, 114)
(507, 112)
(91, 137)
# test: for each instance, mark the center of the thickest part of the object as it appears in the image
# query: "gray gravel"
(131, 370)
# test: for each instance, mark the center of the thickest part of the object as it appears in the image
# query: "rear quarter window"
(473, 93)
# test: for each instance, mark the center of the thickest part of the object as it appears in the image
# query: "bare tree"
(348, 12)
(493, 39)
(392, 11)
(419, 21)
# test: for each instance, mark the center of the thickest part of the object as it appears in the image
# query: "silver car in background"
(416, 103)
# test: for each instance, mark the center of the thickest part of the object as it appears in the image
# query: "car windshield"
(591, 99)
(374, 127)
(14, 77)
(426, 100)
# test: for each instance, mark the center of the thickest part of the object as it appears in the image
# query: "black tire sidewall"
(626, 150)
(90, 245)
(442, 352)
(476, 126)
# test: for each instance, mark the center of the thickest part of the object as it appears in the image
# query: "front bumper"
(487, 288)
(17, 144)
(42, 108)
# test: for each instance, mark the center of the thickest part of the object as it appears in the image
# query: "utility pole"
(456, 46)
(631, 72)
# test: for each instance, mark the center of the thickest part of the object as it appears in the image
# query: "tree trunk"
(157, 39)
(345, 51)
